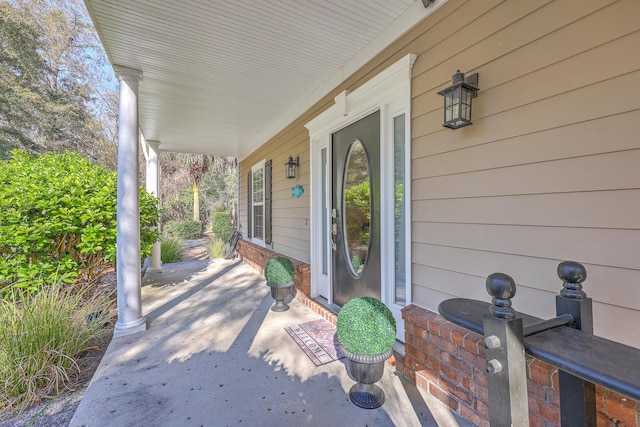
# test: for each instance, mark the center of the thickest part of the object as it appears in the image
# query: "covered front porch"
(214, 354)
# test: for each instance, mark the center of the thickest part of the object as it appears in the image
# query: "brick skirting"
(257, 257)
(448, 362)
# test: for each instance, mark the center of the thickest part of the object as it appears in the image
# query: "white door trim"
(389, 92)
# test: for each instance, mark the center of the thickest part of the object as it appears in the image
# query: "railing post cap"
(500, 285)
(572, 275)
(502, 289)
(571, 271)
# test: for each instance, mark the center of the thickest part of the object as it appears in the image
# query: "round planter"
(367, 369)
(279, 293)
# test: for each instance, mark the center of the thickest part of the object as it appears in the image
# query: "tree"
(213, 178)
(198, 166)
(55, 81)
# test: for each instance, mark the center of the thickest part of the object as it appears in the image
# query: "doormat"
(317, 339)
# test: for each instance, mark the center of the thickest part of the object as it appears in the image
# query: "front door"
(355, 213)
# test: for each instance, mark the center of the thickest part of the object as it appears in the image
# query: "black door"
(355, 222)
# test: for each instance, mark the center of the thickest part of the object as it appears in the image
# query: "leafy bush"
(366, 326)
(171, 250)
(41, 339)
(184, 229)
(279, 271)
(58, 220)
(221, 224)
(215, 247)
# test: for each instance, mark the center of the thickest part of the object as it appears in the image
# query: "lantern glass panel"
(457, 91)
(448, 106)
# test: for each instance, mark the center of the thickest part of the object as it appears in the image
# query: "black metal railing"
(566, 341)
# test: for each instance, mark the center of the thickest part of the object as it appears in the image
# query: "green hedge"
(221, 223)
(184, 229)
(58, 220)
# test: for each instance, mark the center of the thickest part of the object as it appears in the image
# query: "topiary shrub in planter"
(279, 273)
(366, 332)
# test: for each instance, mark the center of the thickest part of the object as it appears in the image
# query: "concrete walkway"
(215, 355)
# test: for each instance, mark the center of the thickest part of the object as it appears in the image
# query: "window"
(400, 214)
(259, 203)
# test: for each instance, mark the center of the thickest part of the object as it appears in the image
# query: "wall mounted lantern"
(291, 166)
(457, 100)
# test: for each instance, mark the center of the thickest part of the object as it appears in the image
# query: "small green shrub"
(41, 340)
(171, 250)
(221, 225)
(184, 229)
(279, 271)
(58, 220)
(366, 326)
(215, 247)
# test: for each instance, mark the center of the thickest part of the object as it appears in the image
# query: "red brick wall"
(448, 361)
(257, 257)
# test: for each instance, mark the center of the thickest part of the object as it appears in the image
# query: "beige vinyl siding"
(549, 170)
(290, 216)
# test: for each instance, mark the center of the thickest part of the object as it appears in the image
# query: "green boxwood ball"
(366, 326)
(279, 271)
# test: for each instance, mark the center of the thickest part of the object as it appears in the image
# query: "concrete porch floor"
(215, 355)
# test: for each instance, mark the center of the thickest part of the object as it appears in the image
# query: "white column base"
(121, 330)
(155, 265)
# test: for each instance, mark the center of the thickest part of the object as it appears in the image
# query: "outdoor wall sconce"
(457, 100)
(291, 166)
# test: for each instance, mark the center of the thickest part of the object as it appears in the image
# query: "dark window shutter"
(267, 202)
(249, 207)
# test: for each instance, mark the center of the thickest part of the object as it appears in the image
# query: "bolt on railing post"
(506, 366)
(577, 397)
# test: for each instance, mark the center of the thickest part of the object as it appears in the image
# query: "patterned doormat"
(317, 339)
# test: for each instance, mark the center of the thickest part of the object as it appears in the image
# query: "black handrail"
(565, 341)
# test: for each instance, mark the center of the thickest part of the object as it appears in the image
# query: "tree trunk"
(196, 202)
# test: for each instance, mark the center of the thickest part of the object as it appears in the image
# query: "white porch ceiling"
(222, 77)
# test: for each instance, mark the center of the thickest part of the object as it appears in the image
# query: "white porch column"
(153, 187)
(130, 318)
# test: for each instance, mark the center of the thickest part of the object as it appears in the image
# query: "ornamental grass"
(171, 249)
(42, 337)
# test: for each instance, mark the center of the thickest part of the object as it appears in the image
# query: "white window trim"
(254, 239)
(390, 93)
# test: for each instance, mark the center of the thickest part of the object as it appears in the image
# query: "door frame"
(390, 93)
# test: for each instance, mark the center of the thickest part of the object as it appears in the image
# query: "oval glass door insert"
(356, 205)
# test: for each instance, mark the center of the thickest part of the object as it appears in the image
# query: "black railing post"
(506, 367)
(577, 397)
